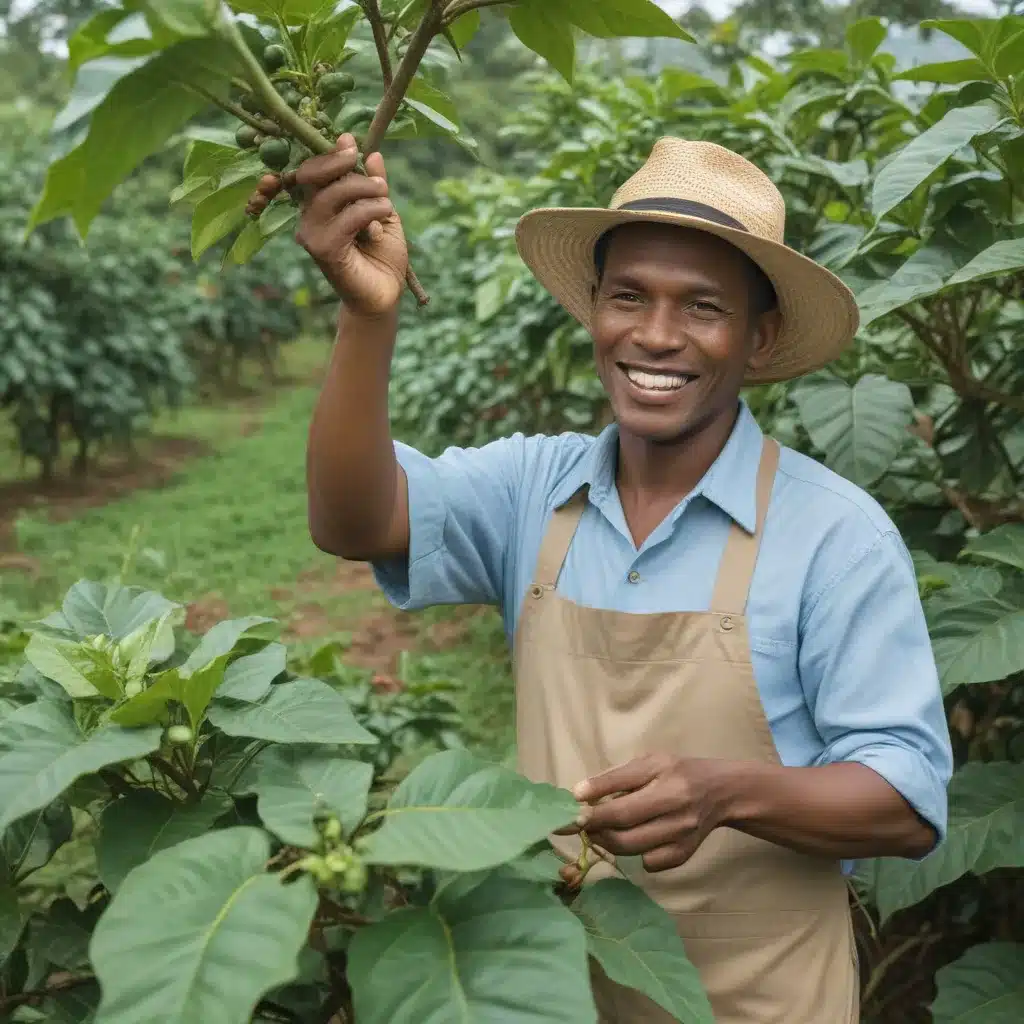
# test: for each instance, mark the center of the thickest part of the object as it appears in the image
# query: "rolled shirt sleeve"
(462, 507)
(870, 680)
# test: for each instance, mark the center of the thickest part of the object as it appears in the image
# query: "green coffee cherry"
(355, 877)
(335, 84)
(291, 95)
(246, 136)
(178, 734)
(317, 867)
(332, 830)
(275, 56)
(133, 688)
(275, 153)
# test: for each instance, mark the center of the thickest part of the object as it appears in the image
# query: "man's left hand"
(661, 807)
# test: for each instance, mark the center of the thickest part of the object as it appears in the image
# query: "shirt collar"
(730, 483)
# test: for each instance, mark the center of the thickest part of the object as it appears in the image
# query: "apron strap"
(557, 538)
(736, 569)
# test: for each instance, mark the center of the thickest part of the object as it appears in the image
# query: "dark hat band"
(683, 207)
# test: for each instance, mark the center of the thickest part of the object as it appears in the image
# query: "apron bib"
(768, 929)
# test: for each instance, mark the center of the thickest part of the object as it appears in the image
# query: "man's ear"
(762, 344)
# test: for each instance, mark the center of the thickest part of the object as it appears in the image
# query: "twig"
(61, 984)
(259, 123)
(177, 777)
(380, 38)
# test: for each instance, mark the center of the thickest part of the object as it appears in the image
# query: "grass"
(230, 530)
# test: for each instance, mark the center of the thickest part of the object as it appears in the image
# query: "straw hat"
(701, 185)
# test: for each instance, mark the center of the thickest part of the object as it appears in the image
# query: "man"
(719, 645)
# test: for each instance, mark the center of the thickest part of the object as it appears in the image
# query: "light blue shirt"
(840, 648)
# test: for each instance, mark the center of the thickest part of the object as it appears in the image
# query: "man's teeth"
(657, 381)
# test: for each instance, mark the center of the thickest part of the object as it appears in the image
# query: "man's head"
(679, 319)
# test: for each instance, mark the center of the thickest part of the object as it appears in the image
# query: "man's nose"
(661, 332)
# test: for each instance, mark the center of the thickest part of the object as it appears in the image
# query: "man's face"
(675, 330)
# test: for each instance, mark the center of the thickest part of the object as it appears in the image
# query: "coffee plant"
(145, 70)
(909, 185)
(248, 863)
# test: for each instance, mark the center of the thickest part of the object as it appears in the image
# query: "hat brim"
(819, 313)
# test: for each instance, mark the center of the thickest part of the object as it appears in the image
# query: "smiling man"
(718, 643)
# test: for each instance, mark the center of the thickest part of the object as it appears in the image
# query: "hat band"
(684, 207)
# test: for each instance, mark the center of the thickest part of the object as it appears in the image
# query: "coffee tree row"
(915, 196)
(94, 340)
(251, 866)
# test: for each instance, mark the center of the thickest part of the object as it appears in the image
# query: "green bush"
(237, 855)
(910, 186)
(95, 339)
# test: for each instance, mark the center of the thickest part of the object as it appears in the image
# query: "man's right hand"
(349, 226)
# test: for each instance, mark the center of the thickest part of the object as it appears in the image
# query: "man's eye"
(626, 296)
(707, 307)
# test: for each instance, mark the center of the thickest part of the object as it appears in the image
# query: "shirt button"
(634, 576)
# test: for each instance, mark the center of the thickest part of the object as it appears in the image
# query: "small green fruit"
(178, 734)
(332, 830)
(338, 862)
(335, 84)
(246, 136)
(317, 867)
(132, 689)
(355, 877)
(291, 96)
(275, 154)
(275, 56)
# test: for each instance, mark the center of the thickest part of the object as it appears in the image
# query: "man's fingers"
(667, 829)
(319, 171)
(350, 189)
(621, 779)
(374, 165)
(646, 803)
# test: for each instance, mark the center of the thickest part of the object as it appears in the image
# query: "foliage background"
(925, 412)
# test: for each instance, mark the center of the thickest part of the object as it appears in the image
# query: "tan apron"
(768, 929)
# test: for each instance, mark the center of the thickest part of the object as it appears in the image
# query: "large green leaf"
(200, 932)
(184, 18)
(249, 678)
(949, 72)
(291, 12)
(543, 30)
(459, 813)
(91, 608)
(43, 751)
(986, 822)
(141, 824)
(977, 636)
(637, 945)
(81, 670)
(925, 273)
(929, 151)
(220, 213)
(860, 429)
(135, 119)
(225, 636)
(1003, 545)
(1000, 258)
(109, 33)
(292, 784)
(12, 920)
(303, 711)
(864, 37)
(613, 19)
(30, 842)
(985, 986)
(503, 953)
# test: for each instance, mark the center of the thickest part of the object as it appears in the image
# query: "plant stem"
(428, 27)
(259, 123)
(178, 777)
(380, 39)
(61, 984)
(272, 101)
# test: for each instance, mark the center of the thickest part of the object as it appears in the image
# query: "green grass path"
(229, 532)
